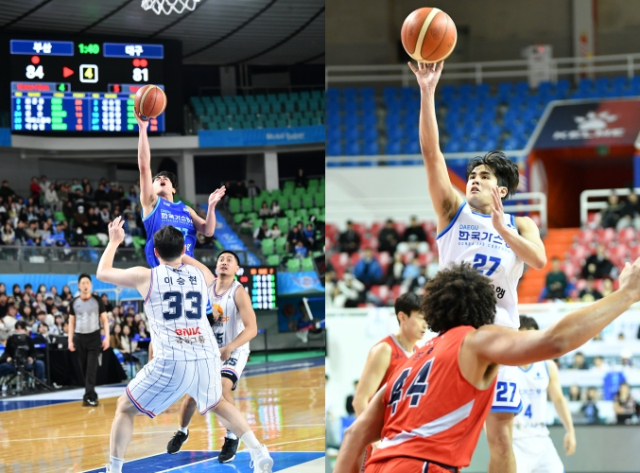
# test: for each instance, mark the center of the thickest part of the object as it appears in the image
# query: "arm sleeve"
(101, 306)
(71, 309)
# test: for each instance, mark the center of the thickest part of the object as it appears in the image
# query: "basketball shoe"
(176, 442)
(261, 462)
(229, 449)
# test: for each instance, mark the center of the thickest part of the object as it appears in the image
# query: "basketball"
(150, 101)
(429, 35)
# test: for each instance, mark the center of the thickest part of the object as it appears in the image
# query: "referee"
(85, 313)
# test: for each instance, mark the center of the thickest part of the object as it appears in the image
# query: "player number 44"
(416, 389)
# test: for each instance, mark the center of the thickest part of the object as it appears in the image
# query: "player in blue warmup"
(187, 357)
(158, 208)
(474, 229)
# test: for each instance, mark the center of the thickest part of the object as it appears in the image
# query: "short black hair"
(84, 275)
(169, 241)
(458, 295)
(506, 171)
(21, 324)
(528, 323)
(231, 253)
(169, 175)
(407, 303)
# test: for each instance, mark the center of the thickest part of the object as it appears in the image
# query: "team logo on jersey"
(188, 331)
(218, 314)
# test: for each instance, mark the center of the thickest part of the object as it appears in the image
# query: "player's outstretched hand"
(216, 196)
(497, 210)
(116, 232)
(630, 279)
(143, 124)
(428, 75)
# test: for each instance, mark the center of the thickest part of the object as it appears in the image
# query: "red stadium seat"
(360, 229)
(605, 235)
(396, 291)
(429, 227)
(381, 292)
(578, 252)
(355, 257)
(400, 227)
(331, 232)
(618, 251)
(571, 270)
(339, 261)
(376, 227)
(626, 236)
(384, 259)
(585, 237)
(424, 259)
(634, 252)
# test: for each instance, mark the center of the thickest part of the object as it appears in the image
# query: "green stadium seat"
(234, 205)
(295, 202)
(302, 214)
(318, 198)
(270, 124)
(276, 193)
(59, 217)
(288, 192)
(293, 265)
(300, 191)
(290, 213)
(289, 185)
(265, 108)
(313, 184)
(295, 122)
(282, 123)
(283, 224)
(246, 204)
(268, 246)
(307, 264)
(238, 218)
(92, 240)
(290, 107)
(314, 211)
(283, 201)
(273, 260)
(270, 221)
(281, 245)
(306, 122)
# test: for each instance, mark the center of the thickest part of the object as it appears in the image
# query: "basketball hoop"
(169, 6)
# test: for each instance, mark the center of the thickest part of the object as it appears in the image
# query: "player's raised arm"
(137, 277)
(504, 346)
(562, 407)
(147, 195)
(377, 364)
(445, 198)
(366, 430)
(207, 227)
(209, 277)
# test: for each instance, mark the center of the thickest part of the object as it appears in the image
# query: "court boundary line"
(212, 458)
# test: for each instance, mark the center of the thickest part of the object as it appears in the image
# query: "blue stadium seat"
(471, 146)
(408, 93)
(505, 89)
(510, 144)
(489, 144)
(333, 94)
(390, 94)
(562, 88)
(393, 147)
(522, 88)
(334, 148)
(352, 134)
(620, 84)
(544, 88)
(350, 93)
(371, 148)
(482, 90)
(351, 120)
(392, 120)
(333, 119)
(368, 106)
(411, 147)
(367, 94)
(370, 134)
(452, 146)
(634, 85)
(334, 133)
(395, 133)
(448, 91)
(465, 90)
(353, 149)
(585, 85)
(369, 119)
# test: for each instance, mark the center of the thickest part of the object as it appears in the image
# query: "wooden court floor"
(285, 409)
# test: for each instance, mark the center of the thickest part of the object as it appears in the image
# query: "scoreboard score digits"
(260, 283)
(81, 86)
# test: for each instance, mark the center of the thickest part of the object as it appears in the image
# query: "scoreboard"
(260, 283)
(81, 86)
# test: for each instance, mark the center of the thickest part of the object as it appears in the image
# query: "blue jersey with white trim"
(176, 312)
(470, 237)
(168, 213)
(532, 420)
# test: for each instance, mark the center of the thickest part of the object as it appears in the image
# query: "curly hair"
(506, 171)
(458, 295)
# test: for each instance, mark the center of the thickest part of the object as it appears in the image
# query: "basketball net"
(169, 6)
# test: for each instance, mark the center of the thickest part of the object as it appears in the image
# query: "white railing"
(586, 204)
(540, 207)
(481, 71)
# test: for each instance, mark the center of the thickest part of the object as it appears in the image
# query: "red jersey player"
(430, 413)
(390, 352)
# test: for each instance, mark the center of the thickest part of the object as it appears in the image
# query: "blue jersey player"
(158, 208)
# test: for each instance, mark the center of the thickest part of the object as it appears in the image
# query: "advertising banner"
(261, 137)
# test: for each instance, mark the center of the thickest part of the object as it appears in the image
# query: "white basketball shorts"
(234, 366)
(507, 395)
(163, 382)
(536, 455)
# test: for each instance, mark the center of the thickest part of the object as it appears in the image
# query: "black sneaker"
(89, 403)
(176, 442)
(228, 451)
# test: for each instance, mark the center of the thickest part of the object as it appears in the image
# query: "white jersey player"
(176, 298)
(234, 326)
(533, 448)
(478, 232)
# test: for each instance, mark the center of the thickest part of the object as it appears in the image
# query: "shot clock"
(81, 86)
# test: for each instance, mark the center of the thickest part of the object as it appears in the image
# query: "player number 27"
(502, 389)
(173, 303)
(480, 261)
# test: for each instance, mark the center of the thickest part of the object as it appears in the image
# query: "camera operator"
(20, 352)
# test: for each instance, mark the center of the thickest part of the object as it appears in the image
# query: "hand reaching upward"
(216, 196)
(428, 75)
(116, 232)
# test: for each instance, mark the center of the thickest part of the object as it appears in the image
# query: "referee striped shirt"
(87, 313)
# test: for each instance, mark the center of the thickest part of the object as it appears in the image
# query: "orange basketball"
(429, 35)
(150, 101)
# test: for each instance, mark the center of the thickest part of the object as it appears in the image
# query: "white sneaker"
(261, 462)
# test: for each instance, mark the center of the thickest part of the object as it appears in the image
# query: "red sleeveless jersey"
(432, 412)
(398, 358)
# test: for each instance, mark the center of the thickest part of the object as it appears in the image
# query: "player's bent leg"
(121, 432)
(187, 409)
(230, 447)
(499, 436)
(262, 462)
